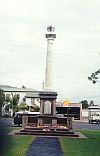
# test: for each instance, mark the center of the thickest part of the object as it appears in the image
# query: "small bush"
(6, 116)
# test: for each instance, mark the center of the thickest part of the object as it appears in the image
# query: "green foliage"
(2, 99)
(7, 99)
(94, 76)
(35, 108)
(14, 101)
(6, 116)
(84, 104)
(91, 103)
(22, 106)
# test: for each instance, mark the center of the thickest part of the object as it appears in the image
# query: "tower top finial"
(50, 29)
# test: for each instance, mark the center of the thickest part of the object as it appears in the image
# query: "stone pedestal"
(69, 122)
(40, 122)
(24, 121)
(47, 107)
(54, 122)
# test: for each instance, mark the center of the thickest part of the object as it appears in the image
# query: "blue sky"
(76, 49)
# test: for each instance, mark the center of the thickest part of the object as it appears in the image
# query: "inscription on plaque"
(47, 107)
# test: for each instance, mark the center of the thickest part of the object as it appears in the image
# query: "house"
(29, 95)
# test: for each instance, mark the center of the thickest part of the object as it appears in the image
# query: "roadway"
(83, 124)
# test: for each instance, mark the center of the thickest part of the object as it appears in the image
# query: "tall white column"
(49, 59)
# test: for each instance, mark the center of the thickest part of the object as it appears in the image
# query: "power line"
(70, 52)
(44, 48)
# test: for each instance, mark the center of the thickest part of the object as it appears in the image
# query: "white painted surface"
(84, 113)
(49, 64)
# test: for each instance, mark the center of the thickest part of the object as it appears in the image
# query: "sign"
(65, 102)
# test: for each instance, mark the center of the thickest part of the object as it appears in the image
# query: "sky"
(76, 51)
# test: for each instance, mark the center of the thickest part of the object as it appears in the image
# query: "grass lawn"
(82, 147)
(15, 145)
(18, 145)
(9, 129)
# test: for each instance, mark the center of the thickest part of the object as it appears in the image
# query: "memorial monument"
(48, 96)
(47, 122)
(50, 36)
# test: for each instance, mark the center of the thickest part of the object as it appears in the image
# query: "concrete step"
(41, 131)
(47, 134)
(41, 128)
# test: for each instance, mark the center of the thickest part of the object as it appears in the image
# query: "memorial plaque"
(47, 107)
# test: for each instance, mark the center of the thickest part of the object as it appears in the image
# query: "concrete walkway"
(45, 146)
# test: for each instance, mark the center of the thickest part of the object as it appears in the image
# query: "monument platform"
(47, 131)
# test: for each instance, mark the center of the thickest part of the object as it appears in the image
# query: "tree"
(94, 76)
(84, 104)
(91, 103)
(7, 99)
(35, 108)
(2, 99)
(23, 106)
(14, 101)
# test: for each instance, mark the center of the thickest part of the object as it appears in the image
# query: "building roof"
(33, 95)
(30, 92)
(15, 89)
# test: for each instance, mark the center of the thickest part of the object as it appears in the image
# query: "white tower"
(49, 59)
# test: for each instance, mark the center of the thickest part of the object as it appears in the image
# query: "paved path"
(45, 146)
